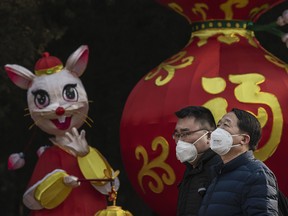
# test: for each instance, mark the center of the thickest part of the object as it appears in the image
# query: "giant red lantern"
(223, 66)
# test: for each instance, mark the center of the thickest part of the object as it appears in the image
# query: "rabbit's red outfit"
(83, 200)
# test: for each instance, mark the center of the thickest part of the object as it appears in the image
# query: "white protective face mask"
(221, 141)
(186, 151)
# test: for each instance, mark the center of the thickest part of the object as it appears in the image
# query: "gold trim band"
(196, 26)
(49, 71)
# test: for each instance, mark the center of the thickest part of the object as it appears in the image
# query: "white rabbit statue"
(58, 104)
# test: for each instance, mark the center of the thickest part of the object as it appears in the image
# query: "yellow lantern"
(113, 210)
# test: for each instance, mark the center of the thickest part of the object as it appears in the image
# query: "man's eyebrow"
(182, 129)
(227, 120)
(224, 120)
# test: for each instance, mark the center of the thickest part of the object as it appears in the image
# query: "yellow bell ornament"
(113, 210)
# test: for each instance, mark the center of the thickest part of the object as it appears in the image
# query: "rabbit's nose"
(60, 111)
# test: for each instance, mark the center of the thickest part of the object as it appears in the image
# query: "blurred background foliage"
(127, 39)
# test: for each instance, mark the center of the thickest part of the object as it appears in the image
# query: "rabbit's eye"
(70, 93)
(41, 98)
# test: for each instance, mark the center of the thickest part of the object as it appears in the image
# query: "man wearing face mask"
(243, 185)
(192, 134)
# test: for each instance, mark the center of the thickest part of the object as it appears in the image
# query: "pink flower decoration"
(41, 150)
(283, 20)
(285, 39)
(16, 161)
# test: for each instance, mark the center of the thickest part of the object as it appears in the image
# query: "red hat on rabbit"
(47, 65)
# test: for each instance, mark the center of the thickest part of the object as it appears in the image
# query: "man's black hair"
(200, 113)
(249, 123)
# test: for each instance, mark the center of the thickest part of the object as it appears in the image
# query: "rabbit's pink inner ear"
(18, 79)
(81, 64)
(78, 60)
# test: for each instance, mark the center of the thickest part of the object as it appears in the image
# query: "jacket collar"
(235, 163)
(207, 155)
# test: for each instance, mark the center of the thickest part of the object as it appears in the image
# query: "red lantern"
(223, 66)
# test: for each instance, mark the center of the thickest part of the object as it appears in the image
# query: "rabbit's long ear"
(78, 60)
(19, 75)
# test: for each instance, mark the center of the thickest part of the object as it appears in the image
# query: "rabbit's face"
(57, 102)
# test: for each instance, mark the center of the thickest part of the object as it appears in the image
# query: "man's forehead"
(226, 119)
(229, 117)
(186, 124)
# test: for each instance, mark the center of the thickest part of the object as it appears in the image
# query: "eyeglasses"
(185, 134)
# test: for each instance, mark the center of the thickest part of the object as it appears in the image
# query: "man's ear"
(209, 135)
(245, 140)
